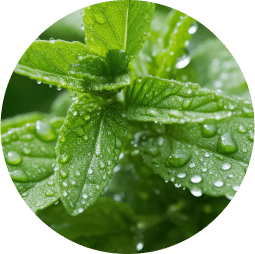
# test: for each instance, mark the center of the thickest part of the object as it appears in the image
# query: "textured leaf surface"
(173, 41)
(165, 46)
(117, 25)
(169, 101)
(49, 61)
(68, 65)
(20, 120)
(213, 66)
(88, 148)
(29, 152)
(210, 158)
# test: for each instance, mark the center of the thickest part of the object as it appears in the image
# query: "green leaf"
(174, 45)
(88, 148)
(49, 61)
(211, 158)
(29, 152)
(213, 66)
(169, 101)
(117, 25)
(164, 48)
(107, 225)
(104, 217)
(69, 65)
(20, 120)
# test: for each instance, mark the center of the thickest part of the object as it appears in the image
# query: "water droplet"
(226, 145)
(19, 176)
(64, 193)
(208, 130)
(63, 158)
(63, 174)
(183, 61)
(52, 40)
(187, 103)
(196, 192)
(24, 194)
(64, 184)
(236, 188)
(100, 18)
(13, 158)
(248, 112)
(196, 179)
(226, 166)
(50, 183)
(85, 196)
(44, 131)
(75, 113)
(178, 160)
(90, 171)
(49, 193)
(38, 82)
(177, 185)
(207, 155)
(181, 175)
(80, 210)
(79, 132)
(82, 27)
(218, 183)
(242, 129)
(193, 28)
(251, 135)
(139, 246)
(192, 165)
(87, 117)
(153, 151)
(26, 150)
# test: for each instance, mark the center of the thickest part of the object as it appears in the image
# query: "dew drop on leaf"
(44, 131)
(196, 192)
(226, 144)
(139, 246)
(79, 132)
(218, 183)
(63, 174)
(187, 103)
(183, 61)
(63, 158)
(19, 176)
(196, 179)
(242, 129)
(193, 28)
(251, 135)
(153, 151)
(178, 160)
(26, 150)
(49, 193)
(181, 175)
(13, 158)
(226, 166)
(208, 130)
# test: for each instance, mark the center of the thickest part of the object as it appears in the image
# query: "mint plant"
(140, 119)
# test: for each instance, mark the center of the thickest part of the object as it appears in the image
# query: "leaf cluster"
(142, 118)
